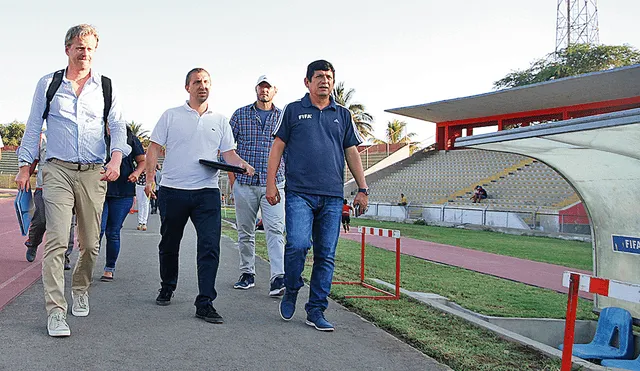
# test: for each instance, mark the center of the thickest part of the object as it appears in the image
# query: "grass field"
(571, 254)
(443, 337)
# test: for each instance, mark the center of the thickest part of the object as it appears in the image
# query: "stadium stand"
(512, 181)
(9, 163)
(371, 155)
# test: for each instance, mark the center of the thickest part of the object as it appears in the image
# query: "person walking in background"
(38, 224)
(316, 136)
(252, 127)
(190, 190)
(155, 188)
(1, 147)
(74, 172)
(347, 210)
(118, 202)
(142, 201)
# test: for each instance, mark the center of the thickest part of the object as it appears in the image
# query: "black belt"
(75, 165)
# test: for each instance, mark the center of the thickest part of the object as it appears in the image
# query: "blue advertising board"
(626, 244)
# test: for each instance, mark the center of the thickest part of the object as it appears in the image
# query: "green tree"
(362, 119)
(139, 131)
(394, 133)
(12, 133)
(573, 60)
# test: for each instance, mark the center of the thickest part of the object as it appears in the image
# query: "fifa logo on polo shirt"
(305, 116)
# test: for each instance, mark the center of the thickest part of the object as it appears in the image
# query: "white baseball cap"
(264, 78)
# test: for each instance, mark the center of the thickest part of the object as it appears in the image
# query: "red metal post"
(362, 257)
(570, 322)
(397, 268)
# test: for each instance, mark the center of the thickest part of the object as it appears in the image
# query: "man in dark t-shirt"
(118, 202)
(315, 135)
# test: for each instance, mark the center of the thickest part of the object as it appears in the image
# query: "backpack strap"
(106, 95)
(51, 91)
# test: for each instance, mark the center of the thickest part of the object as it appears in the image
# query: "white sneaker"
(57, 324)
(80, 306)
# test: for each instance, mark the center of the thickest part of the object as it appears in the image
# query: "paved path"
(526, 271)
(127, 330)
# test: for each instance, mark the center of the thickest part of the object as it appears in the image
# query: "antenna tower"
(576, 23)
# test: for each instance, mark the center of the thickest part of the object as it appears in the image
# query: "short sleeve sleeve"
(235, 124)
(227, 143)
(351, 135)
(282, 129)
(136, 147)
(160, 132)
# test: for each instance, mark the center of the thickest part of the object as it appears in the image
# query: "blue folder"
(22, 205)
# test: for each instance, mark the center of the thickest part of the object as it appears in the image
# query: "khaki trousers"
(64, 189)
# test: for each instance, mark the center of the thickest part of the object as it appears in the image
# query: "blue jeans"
(114, 212)
(203, 207)
(311, 219)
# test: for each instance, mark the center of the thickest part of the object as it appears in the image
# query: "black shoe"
(164, 296)
(277, 287)
(209, 314)
(31, 252)
(246, 281)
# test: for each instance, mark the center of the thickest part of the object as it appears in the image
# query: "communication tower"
(576, 23)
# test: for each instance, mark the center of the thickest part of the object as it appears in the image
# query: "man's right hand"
(272, 193)
(148, 190)
(22, 179)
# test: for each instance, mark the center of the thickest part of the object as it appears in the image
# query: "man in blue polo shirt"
(316, 135)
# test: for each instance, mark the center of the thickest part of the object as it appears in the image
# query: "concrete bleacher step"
(9, 163)
(512, 181)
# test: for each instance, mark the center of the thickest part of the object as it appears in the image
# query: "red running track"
(16, 274)
(533, 273)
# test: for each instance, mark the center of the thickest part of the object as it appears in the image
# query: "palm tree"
(138, 131)
(394, 131)
(361, 118)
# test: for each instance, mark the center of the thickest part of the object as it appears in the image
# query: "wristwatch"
(364, 190)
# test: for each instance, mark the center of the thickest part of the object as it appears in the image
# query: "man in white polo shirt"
(190, 190)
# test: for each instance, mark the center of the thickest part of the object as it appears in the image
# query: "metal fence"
(537, 219)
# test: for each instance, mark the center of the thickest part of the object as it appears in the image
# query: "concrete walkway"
(127, 330)
(533, 273)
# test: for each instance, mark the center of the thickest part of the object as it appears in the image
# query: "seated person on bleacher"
(478, 194)
(403, 200)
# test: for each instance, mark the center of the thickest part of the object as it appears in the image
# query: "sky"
(393, 53)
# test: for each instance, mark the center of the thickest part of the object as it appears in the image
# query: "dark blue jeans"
(114, 212)
(203, 207)
(311, 219)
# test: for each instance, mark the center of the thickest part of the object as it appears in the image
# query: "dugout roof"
(610, 85)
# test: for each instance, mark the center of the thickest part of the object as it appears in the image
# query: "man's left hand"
(111, 171)
(362, 200)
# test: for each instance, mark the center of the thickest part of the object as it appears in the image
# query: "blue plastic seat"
(633, 364)
(611, 319)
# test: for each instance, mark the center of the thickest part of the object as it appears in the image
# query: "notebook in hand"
(223, 166)
(22, 204)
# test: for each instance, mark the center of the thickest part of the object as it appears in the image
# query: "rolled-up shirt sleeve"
(28, 150)
(117, 126)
